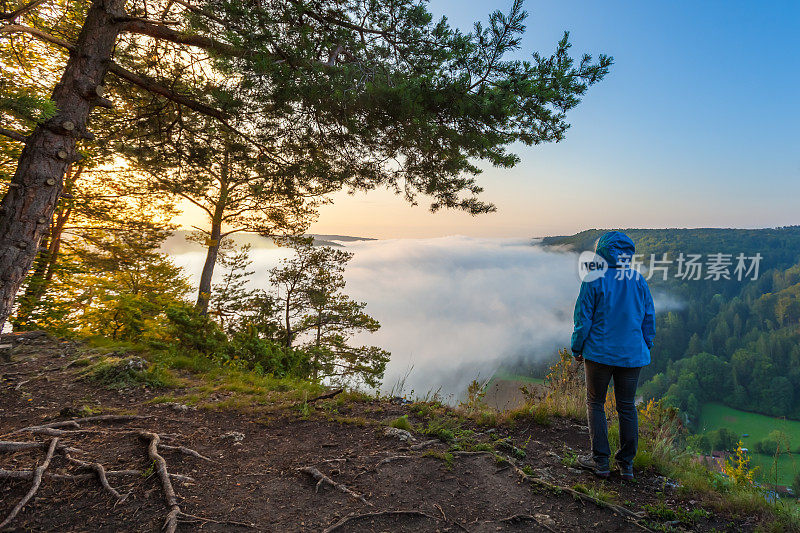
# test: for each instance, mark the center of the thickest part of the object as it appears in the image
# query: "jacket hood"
(614, 244)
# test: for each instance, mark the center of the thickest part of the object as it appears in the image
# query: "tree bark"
(204, 292)
(27, 208)
(287, 318)
(44, 265)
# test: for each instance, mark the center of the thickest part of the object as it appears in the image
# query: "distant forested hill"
(730, 340)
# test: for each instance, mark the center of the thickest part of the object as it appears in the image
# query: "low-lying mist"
(452, 309)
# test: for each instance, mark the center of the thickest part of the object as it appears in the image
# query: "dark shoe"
(626, 474)
(588, 462)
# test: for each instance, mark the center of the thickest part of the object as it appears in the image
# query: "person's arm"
(584, 313)
(649, 321)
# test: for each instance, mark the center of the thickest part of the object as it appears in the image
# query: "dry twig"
(322, 478)
(325, 396)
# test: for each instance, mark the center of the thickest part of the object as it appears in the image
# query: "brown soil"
(257, 481)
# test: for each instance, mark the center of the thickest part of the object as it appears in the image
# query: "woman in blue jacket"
(614, 332)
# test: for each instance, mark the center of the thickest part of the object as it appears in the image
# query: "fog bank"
(452, 309)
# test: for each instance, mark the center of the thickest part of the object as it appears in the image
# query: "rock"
(235, 436)
(136, 364)
(401, 434)
(180, 407)
(28, 337)
(545, 474)
(668, 483)
(545, 520)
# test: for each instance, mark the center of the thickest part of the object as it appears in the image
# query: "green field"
(714, 416)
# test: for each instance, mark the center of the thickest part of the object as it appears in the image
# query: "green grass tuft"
(402, 422)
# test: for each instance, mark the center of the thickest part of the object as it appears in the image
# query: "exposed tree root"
(355, 517)
(11, 446)
(185, 450)
(392, 458)
(633, 516)
(71, 427)
(322, 478)
(76, 422)
(37, 480)
(175, 513)
(101, 475)
(171, 522)
(49, 432)
(384, 461)
(462, 453)
(28, 474)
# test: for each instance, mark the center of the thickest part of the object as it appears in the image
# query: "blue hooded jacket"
(614, 315)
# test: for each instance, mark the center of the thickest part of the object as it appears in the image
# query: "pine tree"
(369, 94)
(309, 292)
(232, 297)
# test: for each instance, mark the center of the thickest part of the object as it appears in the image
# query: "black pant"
(598, 376)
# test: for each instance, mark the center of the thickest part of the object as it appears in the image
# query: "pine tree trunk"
(27, 208)
(34, 289)
(44, 265)
(288, 320)
(204, 291)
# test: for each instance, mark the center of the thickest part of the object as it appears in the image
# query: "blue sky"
(696, 125)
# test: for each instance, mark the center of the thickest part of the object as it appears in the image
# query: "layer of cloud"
(453, 308)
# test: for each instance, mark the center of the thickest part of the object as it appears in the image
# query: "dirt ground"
(252, 475)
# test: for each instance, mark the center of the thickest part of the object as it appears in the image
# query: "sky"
(696, 125)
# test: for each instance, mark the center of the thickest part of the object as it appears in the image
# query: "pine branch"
(21, 10)
(13, 135)
(161, 32)
(44, 36)
(152, 86)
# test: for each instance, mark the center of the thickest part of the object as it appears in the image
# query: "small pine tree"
(315, 313)
(230, 298)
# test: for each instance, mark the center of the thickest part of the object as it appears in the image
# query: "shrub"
(441, 429)
(117, 373)
(661, 433)
(737, 467)
(402, 422)
(266, 356)
(566, 384)
(775, 443)
(191, 330)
